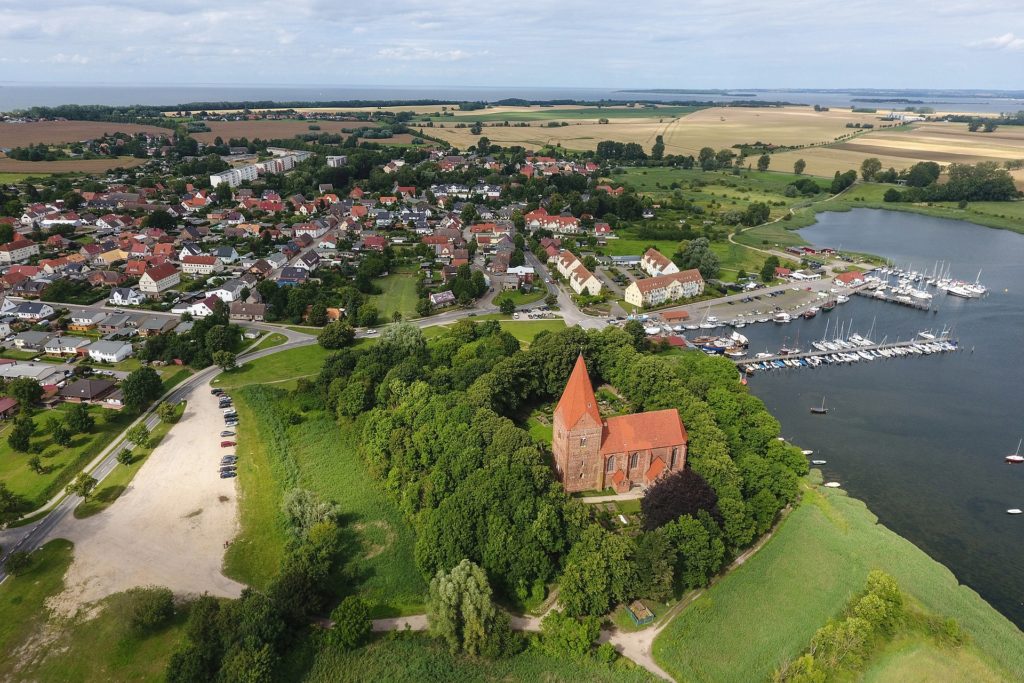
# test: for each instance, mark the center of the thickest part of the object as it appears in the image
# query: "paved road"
(31, 536)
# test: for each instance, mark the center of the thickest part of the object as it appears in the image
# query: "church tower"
(576, 434)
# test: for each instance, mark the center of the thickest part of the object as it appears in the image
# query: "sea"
(921, 440)
(15, 96)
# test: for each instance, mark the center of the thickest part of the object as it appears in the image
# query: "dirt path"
(168, 528)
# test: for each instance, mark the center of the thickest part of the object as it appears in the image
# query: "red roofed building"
(852, 279)
(592, 453)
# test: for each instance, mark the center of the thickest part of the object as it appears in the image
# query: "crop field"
(766, 611)
(58, 132)
(270, 130)
(684, 132)
(559, 113)
(42, 168)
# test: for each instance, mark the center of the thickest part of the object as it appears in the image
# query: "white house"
(204, 307)
(32, 311)
(159, 279)
(125, 296)
(18, 251)
(201, 265)
(65, 346)
(583, 281)
(654, 263)
(110, 351)
(656, 290)
(229, 291)
(226, 254)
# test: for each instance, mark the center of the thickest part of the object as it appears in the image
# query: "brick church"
(592, 453)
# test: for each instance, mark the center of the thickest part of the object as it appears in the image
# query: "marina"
(846, 352)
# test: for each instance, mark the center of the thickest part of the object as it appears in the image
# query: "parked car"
(227, 432)
(228, 475)
(216, 392)
(227, 444)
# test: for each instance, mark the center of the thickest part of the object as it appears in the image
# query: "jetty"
(900, 300)
(851, 353)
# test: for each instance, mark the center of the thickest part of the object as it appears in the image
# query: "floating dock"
(814, 358)
(901, 300)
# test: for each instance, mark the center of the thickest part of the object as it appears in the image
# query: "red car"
(225, 444)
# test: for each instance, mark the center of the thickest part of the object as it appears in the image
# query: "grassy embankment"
(281, 367)
(37, 647)
(118, 480)
(319, 455)
(766, 611)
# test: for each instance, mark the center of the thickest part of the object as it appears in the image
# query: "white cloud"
(1007, 41)
(408, 53)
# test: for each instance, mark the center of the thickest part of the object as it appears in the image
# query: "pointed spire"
(578, 398)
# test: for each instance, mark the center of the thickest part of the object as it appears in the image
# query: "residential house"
(291, 275)
(445, 298)
(226, 254)
(109, 351)
(240, 310)
(31, 340)
(154, 325)
(229, 291)
(31, 311)
(655, 263)
(66, 346)
(657, 290)
(125, 296)
(201, 265)
(86, 390)
(204, 308)
(86, 320)
(158, 279)
(18, 251)
(8, 407)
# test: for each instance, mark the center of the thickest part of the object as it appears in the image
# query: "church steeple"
(578, 398)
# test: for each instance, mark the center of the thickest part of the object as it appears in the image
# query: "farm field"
(416, 658)
(60, 464)
(321, 456)
(80, 649)
(766, 611)
(567, 113)
(684, 133)
(57, 132)
(269, 130)
(42, 168)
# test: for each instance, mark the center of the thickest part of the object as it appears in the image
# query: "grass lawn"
(23, 599)
(766, 611)
(915, 657)
(278, 367)
(17, 354)
(269, 341)
(540, 432)
(416, 658)
(319, 455)
(522, 298)
(19, 177)
(118, 480)
(99, 649)
(61, 464)
(399, 294)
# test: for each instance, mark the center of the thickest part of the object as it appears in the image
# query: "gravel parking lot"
(168, 528)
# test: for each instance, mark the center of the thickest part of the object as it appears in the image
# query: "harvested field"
(58, 132)
(715, 127)
(40, 168)
(270, 130)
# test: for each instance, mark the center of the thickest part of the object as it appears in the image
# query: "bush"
(563, 635)
(606, 654)
(19, 562)
(148, 608)
(351, 623)
(892, 195)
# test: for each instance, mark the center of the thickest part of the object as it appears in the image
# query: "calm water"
(21, 95)
(921, 440)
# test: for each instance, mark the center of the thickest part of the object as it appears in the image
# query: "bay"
(922, 440)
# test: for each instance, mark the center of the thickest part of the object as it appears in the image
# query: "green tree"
(25, 390)
(551, 300)
(892, 195)
(83, 486)
(125, 457)
(167, 412)
(317, 315)
(768, 269)
(367, 315)
(655, 563)
(658, 148)
(506, 305)
(798, 166)
(79, 420)
(225, 360)
(138, 435)
(336, 335)
(562, 635)
(869, 168)
(681, 493)
(61, 434)
(140, 387)
(18, 562)
(763, 162)
(36, 465)
(351, 623)
(599, 572)
(462, 612)
(21, 431)
(700, 553)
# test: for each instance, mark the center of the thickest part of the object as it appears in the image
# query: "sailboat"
(1016, 458)
(822, 410)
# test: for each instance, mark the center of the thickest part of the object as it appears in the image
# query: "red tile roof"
(162, 271)
(655, 470)
(642, 431)
(578, 398)
(651, 283)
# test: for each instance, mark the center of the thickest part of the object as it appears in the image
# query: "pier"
(902, 301)
(941, 344)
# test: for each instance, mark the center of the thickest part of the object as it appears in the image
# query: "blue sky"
(645, 43)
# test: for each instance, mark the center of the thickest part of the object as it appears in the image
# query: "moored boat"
(1016, 458)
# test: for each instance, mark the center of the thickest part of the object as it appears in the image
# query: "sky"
(593, 43)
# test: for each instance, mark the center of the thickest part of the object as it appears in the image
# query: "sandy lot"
(168, 528)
